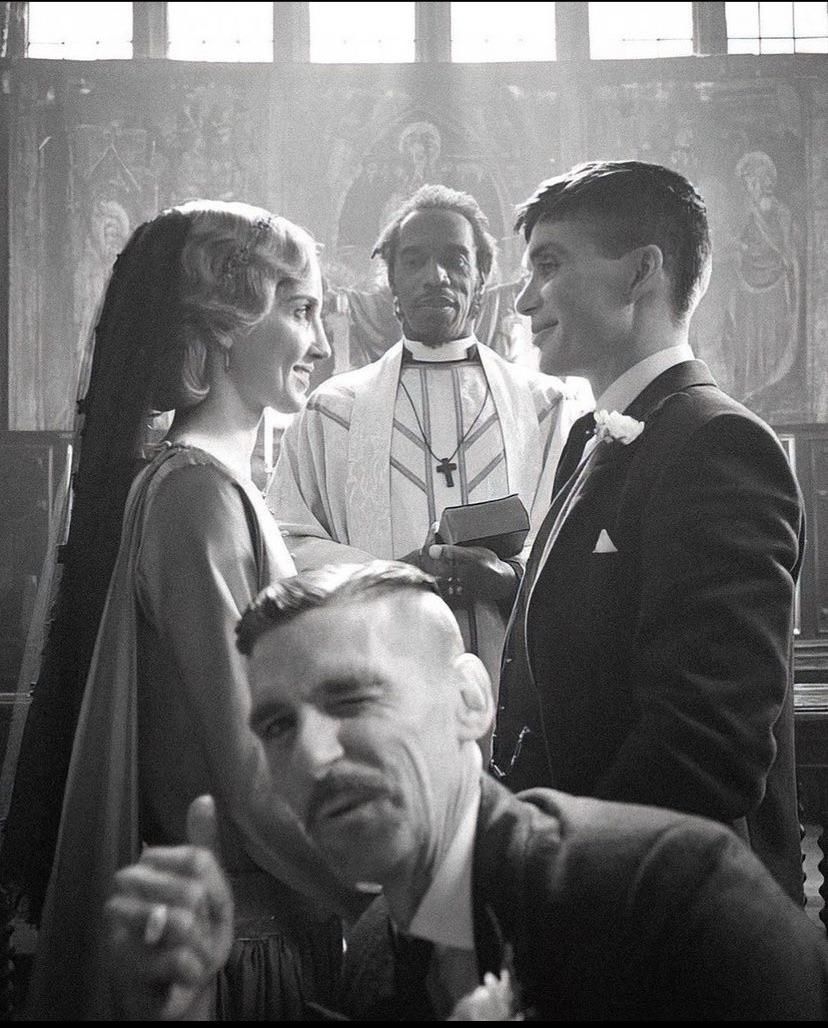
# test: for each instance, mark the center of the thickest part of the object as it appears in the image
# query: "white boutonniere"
(612, 427)
(492, 1001)
(497, 999)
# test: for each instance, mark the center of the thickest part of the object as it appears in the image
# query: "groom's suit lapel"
(579, 434)
(610, 465)
(612, 461)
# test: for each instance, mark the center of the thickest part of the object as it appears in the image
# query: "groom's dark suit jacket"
(661, 673)
(613, 912)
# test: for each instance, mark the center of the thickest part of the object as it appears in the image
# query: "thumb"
(202, 823)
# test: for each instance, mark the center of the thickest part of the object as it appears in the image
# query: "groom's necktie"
(516, 678)
(579, 445)
(565, 499)
(582, 431)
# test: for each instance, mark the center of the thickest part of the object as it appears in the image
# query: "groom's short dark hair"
(630, 204)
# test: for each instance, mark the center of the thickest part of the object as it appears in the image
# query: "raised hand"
(169, 924)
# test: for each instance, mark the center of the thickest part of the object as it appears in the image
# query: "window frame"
(291, 22)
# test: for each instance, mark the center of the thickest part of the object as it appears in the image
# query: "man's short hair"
(320, 587)
(633, 204)
(439, 198)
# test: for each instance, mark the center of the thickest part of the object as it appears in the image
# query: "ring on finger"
(156, 924)
(454, 586)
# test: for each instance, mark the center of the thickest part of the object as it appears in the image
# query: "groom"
(648, 658)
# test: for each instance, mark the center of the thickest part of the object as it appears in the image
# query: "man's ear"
(645, 263)
(475, 708)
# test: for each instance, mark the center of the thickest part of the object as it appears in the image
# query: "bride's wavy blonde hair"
(234, 258)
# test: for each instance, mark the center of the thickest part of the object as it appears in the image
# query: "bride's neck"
(230, 442)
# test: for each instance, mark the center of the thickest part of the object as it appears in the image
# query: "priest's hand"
(473, 573)
(467, 573)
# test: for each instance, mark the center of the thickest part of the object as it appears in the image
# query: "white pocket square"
(605, 544)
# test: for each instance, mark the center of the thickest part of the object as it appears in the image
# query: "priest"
(439, 420)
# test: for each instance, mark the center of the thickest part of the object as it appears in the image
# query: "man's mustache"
(341, 788)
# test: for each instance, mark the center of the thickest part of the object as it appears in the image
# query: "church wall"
(90, 149)
(97, 147)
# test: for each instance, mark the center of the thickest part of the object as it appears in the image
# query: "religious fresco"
(762, 320)
(379, 136)
(212, 141)
(408, 156)
(337, 148)
(816, 281)
(32, 403)
(95, 158)
(373, 135)
(412, 153)
(743, 144)
(111, 191)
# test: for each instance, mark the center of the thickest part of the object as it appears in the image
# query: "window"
(640, 30)
(80, 31)
(368, 33)
(385, 32)
(220, 31)
(776, 28)
(502, 32)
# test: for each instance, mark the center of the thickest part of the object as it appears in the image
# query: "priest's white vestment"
(357, 478)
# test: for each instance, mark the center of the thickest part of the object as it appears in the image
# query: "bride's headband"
(240, 257)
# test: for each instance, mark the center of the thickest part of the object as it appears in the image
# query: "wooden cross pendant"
(445, 467)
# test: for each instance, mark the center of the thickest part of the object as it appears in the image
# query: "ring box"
(500, 525)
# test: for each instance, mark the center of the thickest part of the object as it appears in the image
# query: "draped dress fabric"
(164, 719)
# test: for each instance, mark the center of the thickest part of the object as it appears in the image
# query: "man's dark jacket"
(654, 666)
(613, 912)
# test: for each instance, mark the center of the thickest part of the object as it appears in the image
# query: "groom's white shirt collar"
(621, 393)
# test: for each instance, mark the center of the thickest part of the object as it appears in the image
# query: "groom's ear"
(475, 708)
(645, 265)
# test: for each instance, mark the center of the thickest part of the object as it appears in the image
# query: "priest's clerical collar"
(454, 350)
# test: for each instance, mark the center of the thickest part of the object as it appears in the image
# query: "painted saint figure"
(762, 315)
